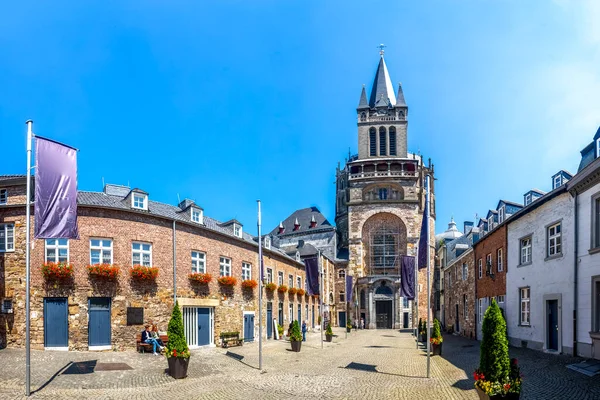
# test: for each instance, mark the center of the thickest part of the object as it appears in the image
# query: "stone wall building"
(123, 227)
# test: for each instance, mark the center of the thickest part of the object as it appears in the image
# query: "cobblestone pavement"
(368, 364)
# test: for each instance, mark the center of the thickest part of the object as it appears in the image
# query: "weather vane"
(381, 47)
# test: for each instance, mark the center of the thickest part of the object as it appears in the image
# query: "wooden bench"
(228, 338)
(143, 347)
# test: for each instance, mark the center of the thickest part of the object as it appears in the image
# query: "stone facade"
(460, 286)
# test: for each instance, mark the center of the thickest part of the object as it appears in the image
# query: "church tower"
(380, 199)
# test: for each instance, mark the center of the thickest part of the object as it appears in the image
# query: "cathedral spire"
(363, 99)
(400, 97)
(382, 92)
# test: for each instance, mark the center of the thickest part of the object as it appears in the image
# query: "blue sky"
(230, 101)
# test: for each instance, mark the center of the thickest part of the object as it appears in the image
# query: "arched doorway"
(384, 306)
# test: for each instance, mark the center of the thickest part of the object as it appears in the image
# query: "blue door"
(203, 326)
(248, 327)
(269, 320)
(99, 321)
(56, 322)
(342, 318)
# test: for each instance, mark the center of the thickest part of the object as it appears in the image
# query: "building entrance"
(383, 314)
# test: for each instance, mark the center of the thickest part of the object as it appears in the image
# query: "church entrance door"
(383, 313)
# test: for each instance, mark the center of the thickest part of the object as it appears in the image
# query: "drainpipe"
(575, 305)
(174, 264)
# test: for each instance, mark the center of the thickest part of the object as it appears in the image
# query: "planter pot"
(483, 396)
(296, 346)
(348, 330)
(436, 349)
(178, 367)
(328, 338)
(422, 338)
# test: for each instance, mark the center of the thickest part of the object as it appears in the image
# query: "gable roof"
(304, 216)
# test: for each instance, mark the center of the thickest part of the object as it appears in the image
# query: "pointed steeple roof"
(363, 99)
(382, 92)
(400, 102)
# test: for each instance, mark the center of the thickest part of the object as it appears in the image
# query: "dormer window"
(267, 242)
(237, 230)
(298, 256)
(296, 224)
(3, 196)
(557, 181)
(313, 222)
(196, 215)
(139, 201)
(281, 228)
(528, 199)
(501, 215)
(597, 147)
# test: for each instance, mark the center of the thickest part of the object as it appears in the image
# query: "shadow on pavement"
(67, 366)
(239, 358)
(373, 368)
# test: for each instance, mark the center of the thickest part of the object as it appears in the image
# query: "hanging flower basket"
(249, 284)
(292, 291)
(198, 277)
(144, 273)
(106, 271)
(59, 270)
(282, 289)
(227, 281)
(301, 292)
(271, 286)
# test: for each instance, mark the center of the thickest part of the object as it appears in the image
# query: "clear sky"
(226, 102)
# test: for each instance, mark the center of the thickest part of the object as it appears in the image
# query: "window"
(290, 281)
(141, 254)
(139, 201)
(298, 256)
(7, 237)
(499, 260)
(524, 298)
(246, 271)
(382, 141)
(341, 274)
(224, 266)
(198, 262)
(269, 275)
(237, 230)
(528, 199)
(101, 251)
(383, 194)
(267, 242)
(299, 282)
(449, 279)
(3, 196)
(342, 297)
(489, 267)
(465, 271)
(556, 181)
(393, 141)
(501, 215)
(372, 142)
(197, 215)
(597, 147)
(554, 240)
(405, 302)
(384, 246)
(480, 311)
(480, 268)
(525, 250)
(596, 222)
(291, 313)
(279, 278)
(57, 250)
(500, 299)
(596, 304)
(465, 307)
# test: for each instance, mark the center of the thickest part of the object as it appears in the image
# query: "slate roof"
(382, 86)
(400, 97)
(304, 216)
(462, 243)
(305, 250)
(362, 104)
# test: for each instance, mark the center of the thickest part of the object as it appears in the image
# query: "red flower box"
(107, 271)
(201, 278)
(249, 284)
(301, 292)
(144, 273)
(271, 286)
(58, 270)
(282, 289)
(227, 281)
(292, 291)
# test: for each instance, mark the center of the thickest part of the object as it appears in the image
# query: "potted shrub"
(106, 271)
(249, 284)
(280, 331)
(292, 291)
(282, 289)
(296, 337)
(227, 280)
(436, 338)
(60, 270)
(349, 325)
(143, 273)
(328, 333)
(199, 277)
(497, 377)
(178, 353)
(271, 286)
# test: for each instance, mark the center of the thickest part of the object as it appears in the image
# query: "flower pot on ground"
(143, 273)
(60, 270)
(200, 278)
(104, 271)
(280, 331)
(229, 281)
(328, 333)
(296, 336)
(282, 289)
(436, 338)
(178, 353)
(497, 377)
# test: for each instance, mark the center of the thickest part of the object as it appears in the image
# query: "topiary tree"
(329, 331)
(295, 333)
(177, 345)
(437, 332)
(494, 361)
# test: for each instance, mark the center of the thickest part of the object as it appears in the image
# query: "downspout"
(575, 305)
(174, 264)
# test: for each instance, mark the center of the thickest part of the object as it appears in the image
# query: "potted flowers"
(282, 289)
(328, 333)
(227, 281)
(280, 331)
(178, 353)
(106, 271)
(296, 337)
(59, 270)
(497, 377)
(292, 291)
(200, 278)
(301, 292)
(143, 273)
(436, 338)
(271, 286)
(249, 284)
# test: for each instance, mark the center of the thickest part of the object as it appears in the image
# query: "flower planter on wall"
(57, 271)
(104, 271)
(143, 273)
(249, 284)
(282, 289)
(200, 278)
(228, 281)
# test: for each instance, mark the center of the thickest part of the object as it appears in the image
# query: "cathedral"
(380, 200)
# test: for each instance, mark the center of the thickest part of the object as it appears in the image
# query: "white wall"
(543, 276)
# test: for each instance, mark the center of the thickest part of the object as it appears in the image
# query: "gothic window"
(383, 194)
(384, 248)
(373, 142)
(392, 141)
(382, 141)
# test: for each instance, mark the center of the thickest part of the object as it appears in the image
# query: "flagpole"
(416, 300)
(260, 291)
(427, 199)
(321, 296)
(27, 262)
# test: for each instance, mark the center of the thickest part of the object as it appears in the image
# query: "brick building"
(123, 227)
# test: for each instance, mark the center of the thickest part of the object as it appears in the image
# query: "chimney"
(313, 222)
(296, 225)
(468, 225)
(281, 228)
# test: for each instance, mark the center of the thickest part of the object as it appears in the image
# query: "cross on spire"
(381, 47)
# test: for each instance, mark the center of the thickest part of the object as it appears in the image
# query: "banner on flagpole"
(55, 191)
(424, 238)
(312, 275)
(407, 277)
(349, 288)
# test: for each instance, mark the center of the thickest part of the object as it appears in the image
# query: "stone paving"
(368, 364)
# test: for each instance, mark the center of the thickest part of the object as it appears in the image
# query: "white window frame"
(479, 265)
(142, 252)
(198, 262)
(246, 271)
(480, 310)
(196, 215)
(101, 248)
(267, 242)
(525, 250)
(57, 247)
(528, 199)
(3, 196)
(597, 147)
(224, 266)
(465, 271)
(237, 230)
(5, 229)
(342, 294)
(341, 273)
(501, 214)
(269, 275)
(554, 240)
(488, 261)
(524, 306)
(500, 299)
(290, 281)
(298, 256)
(134, 204)
(298, 281)
(557, 181)
(280, 278)
(291, 310)
(499, 260)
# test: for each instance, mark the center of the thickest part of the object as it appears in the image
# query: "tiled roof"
(304, 216)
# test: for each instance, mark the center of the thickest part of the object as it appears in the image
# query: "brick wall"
(455, 290)
(490, 244)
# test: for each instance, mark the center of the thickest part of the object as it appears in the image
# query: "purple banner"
(424, 238)
(55, 191)
(348, 288)
(407, 277)
(312, 275)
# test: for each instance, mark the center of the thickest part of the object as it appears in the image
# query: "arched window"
(341, 274)
(393, 141)
(382, 142)
(372, 142)
(383, 193)
(385, 290)
(384, 248)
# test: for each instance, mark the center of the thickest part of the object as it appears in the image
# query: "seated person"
(147, 338)
(156, 336)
